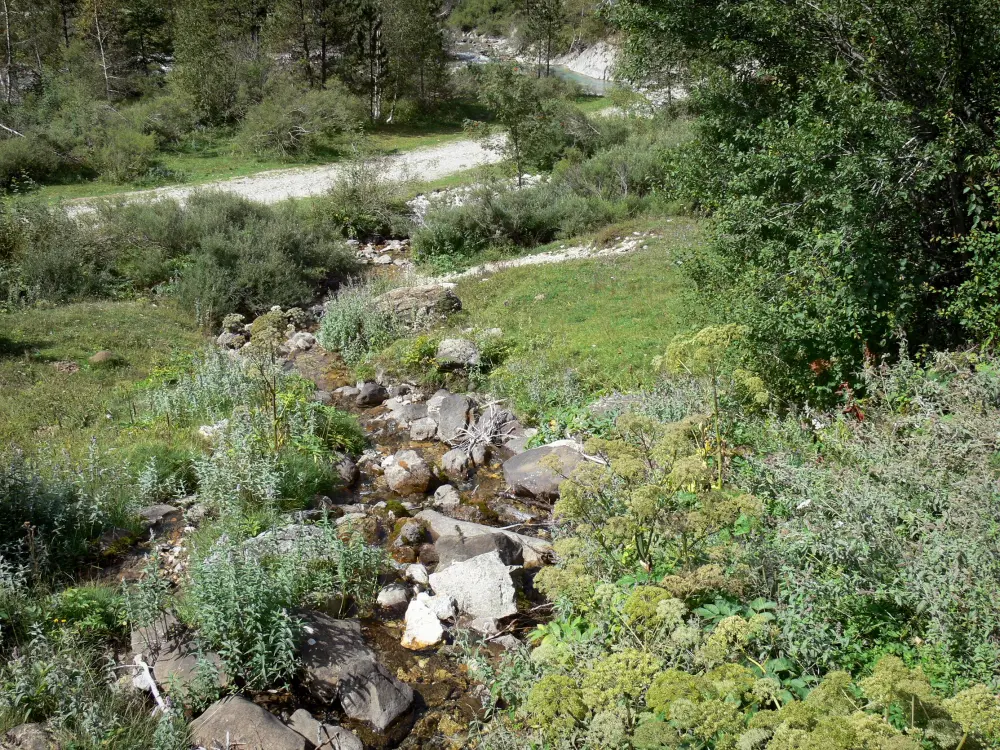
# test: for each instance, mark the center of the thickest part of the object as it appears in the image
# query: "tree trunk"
(8, 56)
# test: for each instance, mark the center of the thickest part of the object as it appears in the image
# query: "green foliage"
(355, 325)
(241, 596)
(865, 513)
(538, 126)
(55, 511)
(216, 254)
(649, 503)
(555, 704)
(841, 178)
(367, 199)
(94, 611)
(62, 681)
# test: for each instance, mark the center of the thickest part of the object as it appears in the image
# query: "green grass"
(605, 317)
(39, 404)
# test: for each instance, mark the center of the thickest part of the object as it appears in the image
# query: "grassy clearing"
(39, 403)
(605, 317)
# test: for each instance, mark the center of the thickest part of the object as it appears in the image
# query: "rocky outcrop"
(539, 471)
(236, 722)
(421, 306)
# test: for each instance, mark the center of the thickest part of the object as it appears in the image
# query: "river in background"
(595, 86)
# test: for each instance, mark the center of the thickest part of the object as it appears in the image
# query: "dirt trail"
(277, 185)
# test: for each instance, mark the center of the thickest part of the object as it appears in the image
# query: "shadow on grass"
(10, 349)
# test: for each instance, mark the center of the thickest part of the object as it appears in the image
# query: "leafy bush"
(867, 514)
(54, 511)
(124, 154)
(26, 160)
(369, 198)
(355, 325)
(216, 254)
(289, 122)
(59, 680)
(241, 598)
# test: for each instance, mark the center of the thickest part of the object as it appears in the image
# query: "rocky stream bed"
(449, 488)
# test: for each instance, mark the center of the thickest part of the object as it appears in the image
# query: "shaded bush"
(26, 160)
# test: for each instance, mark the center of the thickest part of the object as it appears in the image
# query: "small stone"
(103, 357)
(423, 628)
(407, 473)
(423, 429)
(155, 517)
(427, 554)
(301, 342)
(457, 353)
(393, 598)
(456, 464)
(347, 391)
(412, 533)
(479, 454)
(372, 394)
(230, 340)
(446, 497)
(487, 626)
(441, 605)
(383, 260)
(321, 735)
(417, 573)
(347, 470)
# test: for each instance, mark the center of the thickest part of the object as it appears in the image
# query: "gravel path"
(302, 182)
(576, 252)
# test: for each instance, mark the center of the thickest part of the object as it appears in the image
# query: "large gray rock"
(320, 735)
(338, 664)
(453, 416)
(171, 651)
(421, 306)
(368, 692)
(539, 471)
(407, 473)
(328, 645)
(371, 394)
(407, 413)
(535, 552)
(244, 725)
(457, 353)
(482, 586)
